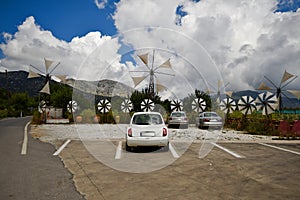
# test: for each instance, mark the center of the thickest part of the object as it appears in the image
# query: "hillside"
(17, 81)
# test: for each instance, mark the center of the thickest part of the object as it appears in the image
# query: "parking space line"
(173, 152)
(279, 148)
(62, 147)
(228, 151)
(25, 140)
(119, 151)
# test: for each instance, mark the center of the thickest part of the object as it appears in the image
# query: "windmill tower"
(152, 72)
(286, 79)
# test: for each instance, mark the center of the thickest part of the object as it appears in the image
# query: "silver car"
(209, 120)
(178, 119)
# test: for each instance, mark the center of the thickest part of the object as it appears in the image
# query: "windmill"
(47, 74)
(267, 102)
(126, 106)
(176, 105)
(199, 105)
(217, 91)
(152, 72)
(246, 105)
(227, 105)
(286, 79)
(104, 106)
(147, 105)
(72, 106)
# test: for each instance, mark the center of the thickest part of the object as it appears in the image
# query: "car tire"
(128, 148)
(166, 148)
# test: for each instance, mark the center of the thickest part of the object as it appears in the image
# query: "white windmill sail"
(48, 63)
(296, 93)
(144, 58)
(286, 76)
(138, 80)
(32, 74)
(46, 88)
(263, 86)
(166, 64)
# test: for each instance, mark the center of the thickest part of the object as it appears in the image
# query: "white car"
(147, 129)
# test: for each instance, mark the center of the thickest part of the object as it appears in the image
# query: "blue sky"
(237, 34)
(65, 18)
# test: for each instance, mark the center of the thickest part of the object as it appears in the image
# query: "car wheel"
(166, 148)
(128, 148)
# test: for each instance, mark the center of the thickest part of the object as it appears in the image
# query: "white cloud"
(101, 3)
(31, 44)
(245, 39)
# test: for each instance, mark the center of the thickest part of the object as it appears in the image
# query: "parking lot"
(231, 170)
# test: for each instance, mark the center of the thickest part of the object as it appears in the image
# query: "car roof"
(139, 113)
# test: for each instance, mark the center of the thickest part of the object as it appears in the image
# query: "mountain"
(17, 81)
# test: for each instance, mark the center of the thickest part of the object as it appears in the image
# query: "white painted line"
(228, 151)
(173, 152)
(25, 140)
(119, 151)
(279, 148)
(62, 147)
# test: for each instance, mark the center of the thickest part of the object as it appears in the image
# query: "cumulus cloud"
(238, 41)
(31, 44)
(246, 39)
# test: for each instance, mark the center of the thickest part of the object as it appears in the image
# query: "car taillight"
(206, 120)
(185, 118)
(165, 132)
(170, 118)
(129, 132)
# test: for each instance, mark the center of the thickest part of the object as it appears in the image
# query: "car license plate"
(147, 134)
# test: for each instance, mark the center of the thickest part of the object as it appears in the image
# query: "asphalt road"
(36, 175)
(261, 172)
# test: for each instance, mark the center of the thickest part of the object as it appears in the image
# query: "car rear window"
(178, 114)
(210, 115)
(147, 119)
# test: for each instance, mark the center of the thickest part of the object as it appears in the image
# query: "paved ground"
(229, 171)
(36, 175)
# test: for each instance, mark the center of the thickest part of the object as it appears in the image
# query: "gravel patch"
(53, 132)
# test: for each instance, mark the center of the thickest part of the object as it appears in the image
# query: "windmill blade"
(48, 63)
(144, 58)
(286, 76)
(263, 86)
(62, 78)
(46, 88)
(166, 64)
(32, 74)
(229, 93)
(159, 86)
(42, 106)
(138, 80)
(296, 93)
